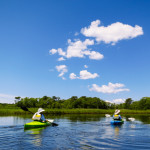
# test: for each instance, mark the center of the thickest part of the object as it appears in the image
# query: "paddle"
(26, 109)
(131, 119)
(107, 115)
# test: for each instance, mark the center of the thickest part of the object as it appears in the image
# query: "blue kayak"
(117, 122)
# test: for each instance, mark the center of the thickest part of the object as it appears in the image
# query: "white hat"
(40, 110)
(117, 112)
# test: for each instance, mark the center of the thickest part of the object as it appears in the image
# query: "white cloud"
(62, 69)
(79, 49)
(110, 88)
(94, 55)
(108, 101)
(85, 66)
(116, 101)
(84, 74)
(112, 33)
(59, 51)
(76, 34)
(4, 98)
(109, 34)
(61, 59)
(53, 51)
(63, 78)
(73, 76)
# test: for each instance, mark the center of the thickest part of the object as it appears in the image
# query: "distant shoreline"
(19, 111)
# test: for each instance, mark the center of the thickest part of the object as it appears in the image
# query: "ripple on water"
(77, 135)
(117, 137)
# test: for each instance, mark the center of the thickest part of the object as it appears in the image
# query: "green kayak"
(36, 124)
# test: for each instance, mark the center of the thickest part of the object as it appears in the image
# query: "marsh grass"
(19, 111)
(11, 111)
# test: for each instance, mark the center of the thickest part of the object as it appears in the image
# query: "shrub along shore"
(82, 102)
(74, 105)
(19, 111)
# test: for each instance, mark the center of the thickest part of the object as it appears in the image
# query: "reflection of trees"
(71, 117)
(81, 117)
(142, 118)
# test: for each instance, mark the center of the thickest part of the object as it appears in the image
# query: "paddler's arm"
(33, 117)
(120, 117)
(43, 118)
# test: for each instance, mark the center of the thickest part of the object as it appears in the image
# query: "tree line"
(81, 102)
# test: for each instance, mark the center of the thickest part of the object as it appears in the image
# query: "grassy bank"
(18, 111)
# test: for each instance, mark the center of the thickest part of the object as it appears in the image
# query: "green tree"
(128, 102)
(144, 103)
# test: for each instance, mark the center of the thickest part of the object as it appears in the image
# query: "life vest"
(116, 117)
(36, 116)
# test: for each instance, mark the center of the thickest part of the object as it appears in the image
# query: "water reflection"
(116, 129)
(36, 135)
(5, 120)
(132, 126)
(145, 119)
(34, 131)
(80, 117)
(76, 132)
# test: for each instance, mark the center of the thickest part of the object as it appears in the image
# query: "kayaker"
(116, 115)
(39, 115)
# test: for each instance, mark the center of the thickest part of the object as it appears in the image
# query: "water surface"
(75, 132)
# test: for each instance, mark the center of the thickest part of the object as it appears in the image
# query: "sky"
(68, 48)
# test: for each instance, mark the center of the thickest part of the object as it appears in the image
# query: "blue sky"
(74, 48)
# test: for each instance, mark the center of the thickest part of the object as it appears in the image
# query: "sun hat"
(40, 110)
(117, 112)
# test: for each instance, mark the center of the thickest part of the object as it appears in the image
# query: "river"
(75, 132)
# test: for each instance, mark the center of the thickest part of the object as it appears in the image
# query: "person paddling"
(38, 116)
(116, 115)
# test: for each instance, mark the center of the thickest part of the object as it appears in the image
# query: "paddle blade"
(50, 120)
(131, 119)
(107, 115)
(24, 108)
(54, 124)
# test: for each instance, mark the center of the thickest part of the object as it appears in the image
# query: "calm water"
(75, 132)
